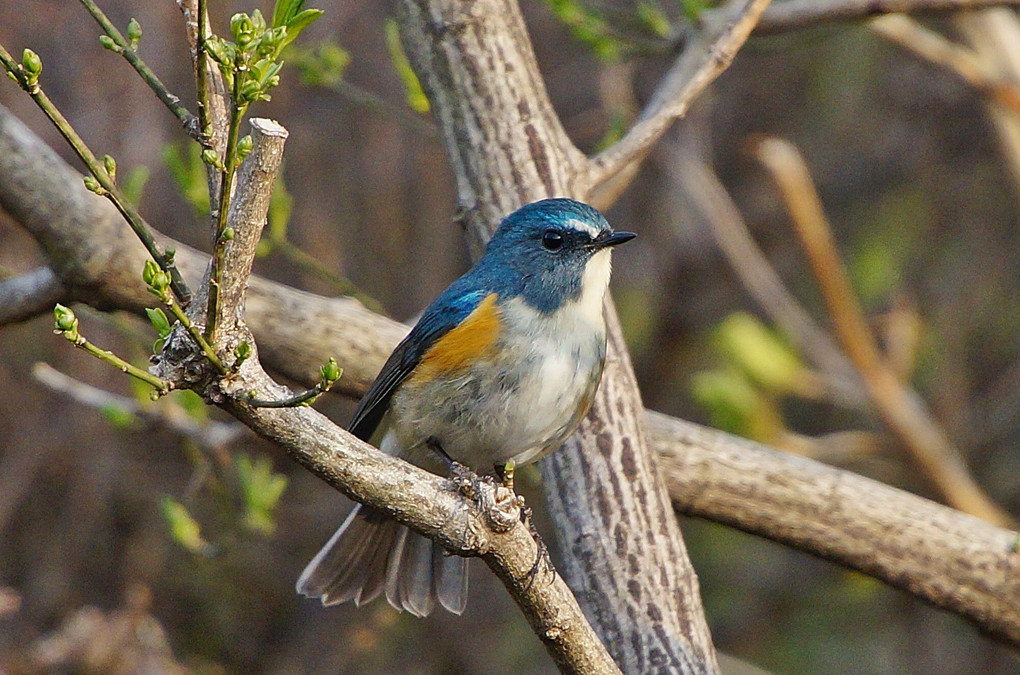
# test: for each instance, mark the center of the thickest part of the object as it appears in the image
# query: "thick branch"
(247, 218)
(954, 561)
(29, 295)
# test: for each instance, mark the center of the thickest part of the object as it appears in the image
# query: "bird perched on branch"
(501, 367)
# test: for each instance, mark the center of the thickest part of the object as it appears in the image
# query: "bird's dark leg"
(463, 478)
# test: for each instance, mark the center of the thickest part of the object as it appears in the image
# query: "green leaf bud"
(250, 91)
(168, 255)
(64, 318)
(329, 373)
(92, 185)
(228, 234)
(242, 352)
(110, 164)
(158, 320)
(244, 147)
(134, 32)
(149, 272)
(212, 158)
(108, 42)
(222, 52)
(242, 28)
(32, 65)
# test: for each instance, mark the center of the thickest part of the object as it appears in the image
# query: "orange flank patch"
(473, 338)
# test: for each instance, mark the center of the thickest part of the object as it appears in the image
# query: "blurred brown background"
(923, 205)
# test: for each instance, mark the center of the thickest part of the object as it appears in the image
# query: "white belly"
(519, 405)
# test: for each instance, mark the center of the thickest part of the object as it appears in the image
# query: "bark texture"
(507, 148)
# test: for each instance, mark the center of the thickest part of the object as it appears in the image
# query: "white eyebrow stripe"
(583, 226)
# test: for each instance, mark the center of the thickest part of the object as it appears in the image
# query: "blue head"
(551, 252)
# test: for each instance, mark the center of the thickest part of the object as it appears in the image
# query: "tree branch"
(791, 15)
(762, 282)
(410, 495)
(607, 498)
(900, 407)
(724, 31)
(954, 561)
(28, 295)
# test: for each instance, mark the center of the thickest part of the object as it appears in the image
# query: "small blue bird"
(502, 366)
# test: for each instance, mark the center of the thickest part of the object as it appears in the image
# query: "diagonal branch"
(900, 407)
(724, 31)
(412, 496)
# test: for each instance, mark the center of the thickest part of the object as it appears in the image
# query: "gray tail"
(370, 554)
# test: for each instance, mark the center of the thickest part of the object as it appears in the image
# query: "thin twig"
(762, 282)
(123, 47)
(209, 434)
(725, 31)
(797, 14)
(110, 189)
(899, 406)
(955, 58)
(67, 326)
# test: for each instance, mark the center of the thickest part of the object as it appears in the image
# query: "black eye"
(552, 240)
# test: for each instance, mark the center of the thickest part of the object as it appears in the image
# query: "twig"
(29, 81)
(123, 47)
(29, 295)
(210, 434)
(797, 14)
(211, 91)
(67, 325)
(898, 405)
(760, 280)
(725, 31)
(962, 61)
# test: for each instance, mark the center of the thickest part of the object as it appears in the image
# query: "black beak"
(607, 239)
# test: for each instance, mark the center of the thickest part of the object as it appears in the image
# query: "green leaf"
(184, 529)
(261, 489)
(192, 404)
(734, 405)
(413, 91)
(188, 171)
(320, 66)
(759, 353)
(587, 26)
(117, 415)
(281, 204)
(654, 19)
(134, 183)
(158, 320)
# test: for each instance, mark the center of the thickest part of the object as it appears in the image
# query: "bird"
(501, 367)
